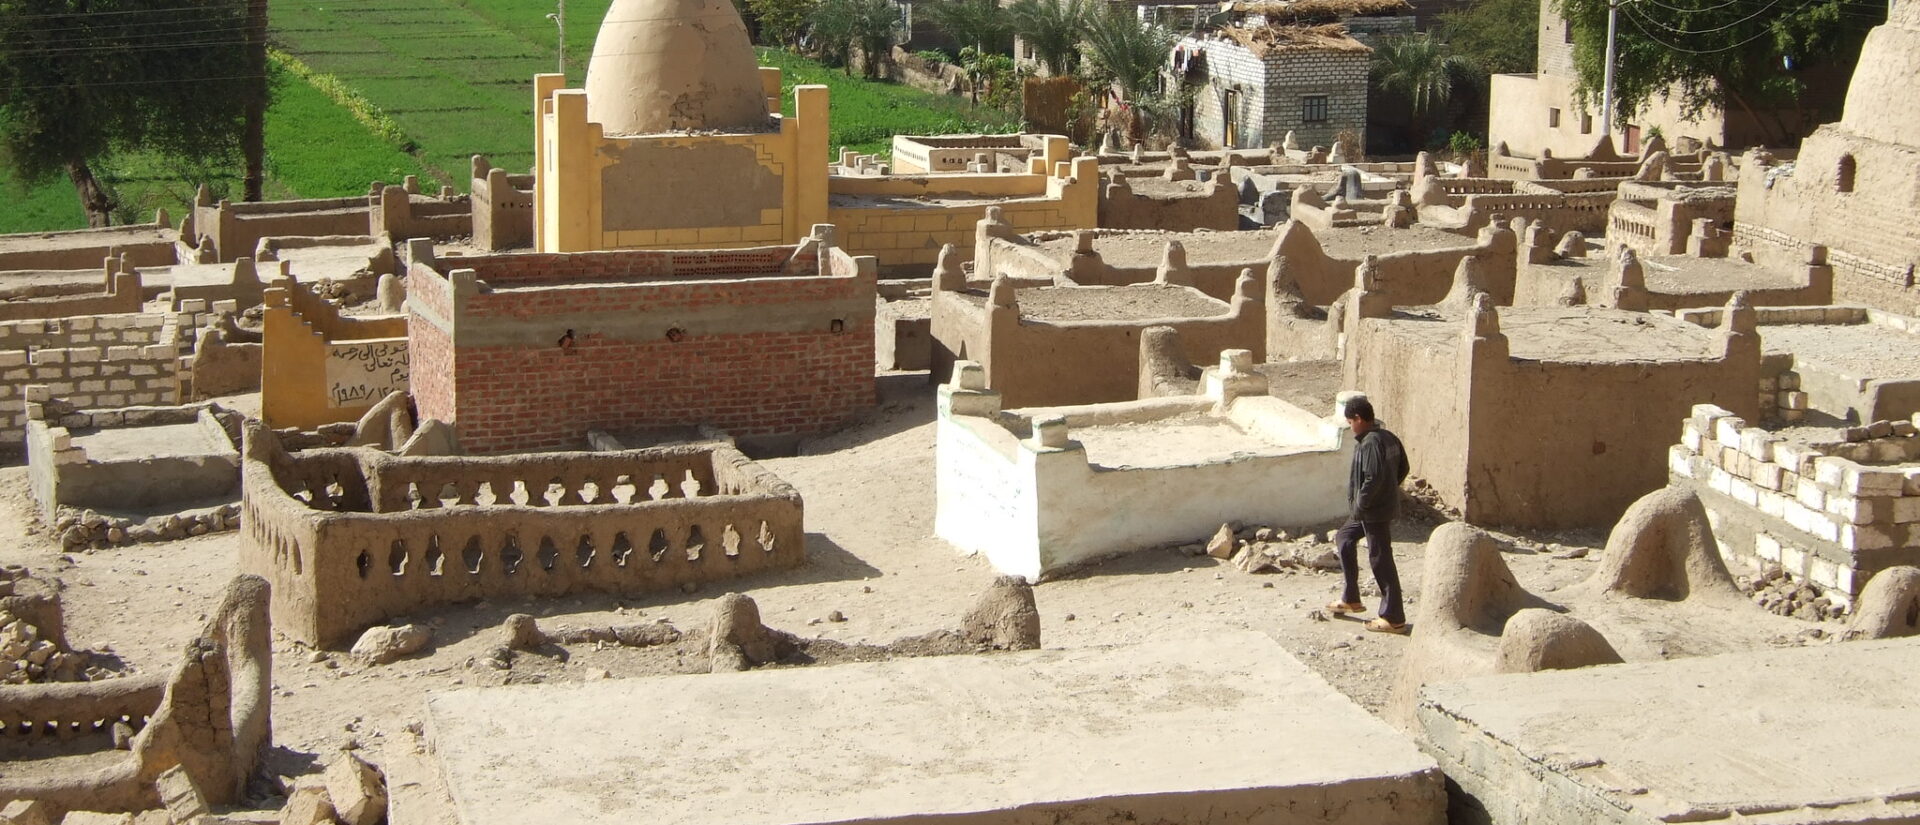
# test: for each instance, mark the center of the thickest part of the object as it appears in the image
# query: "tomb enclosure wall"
(1035, 509)
(210, 717)
(1056, 193)
(61, 472)
(1204, 206)
(319, 366)
(398, 213)
(1033, 362)
(1829, 513)
(1592, 439)
(532, 351)
(919, 155)
(103, 360)
(1802, 385)
(121, 292)
(502, 206)
(595, 191)
(351, 537)
(143, 244)
(235, 229)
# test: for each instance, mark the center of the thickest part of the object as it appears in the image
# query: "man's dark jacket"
(1379, 465)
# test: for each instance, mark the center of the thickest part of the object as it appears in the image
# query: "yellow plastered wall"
(572, 152)
(912, 236)
(293, 367)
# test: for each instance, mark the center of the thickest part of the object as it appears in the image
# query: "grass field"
(314, 150)
(455, 77)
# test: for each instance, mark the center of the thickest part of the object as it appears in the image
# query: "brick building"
(1256, 83)
(533, 351)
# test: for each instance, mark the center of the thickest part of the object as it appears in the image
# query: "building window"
(1313, 109)
(1553, 118)
(1845, 181)
(1586, 123)
(1566, 31)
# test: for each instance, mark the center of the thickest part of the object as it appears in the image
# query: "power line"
(1634, 19)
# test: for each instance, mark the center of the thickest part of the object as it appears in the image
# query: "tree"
(1713, 55)
(1127, 53)
(782, 21)
(981, 24)
(1053, 28)
(1420, 69)
(77, 84)
(1496, 36)
(832, 29)
(876, 26)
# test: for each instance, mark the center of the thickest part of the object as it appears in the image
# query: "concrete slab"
(1228, 728)
(1799, 736)
(158, 441)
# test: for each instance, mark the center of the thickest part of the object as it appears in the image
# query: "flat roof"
(1133, 302)
(1144, 249)
(1216, 729)
(1591, 335)
(1857, 351)
(1825, 734)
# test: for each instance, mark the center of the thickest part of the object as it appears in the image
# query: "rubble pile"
(1779, 593)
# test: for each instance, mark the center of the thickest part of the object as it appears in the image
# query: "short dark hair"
(1359, 407)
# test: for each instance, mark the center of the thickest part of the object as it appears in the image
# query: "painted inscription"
(363, 372)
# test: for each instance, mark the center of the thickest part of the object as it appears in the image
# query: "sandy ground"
(869, 494)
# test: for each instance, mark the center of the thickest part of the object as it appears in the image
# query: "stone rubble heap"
(83, 530)
(1779, 593)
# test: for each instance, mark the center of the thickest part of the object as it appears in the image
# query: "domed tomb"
(667, 65)
(1879, 98)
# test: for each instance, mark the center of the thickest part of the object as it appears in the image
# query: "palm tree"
(981, 24)
(1126, 51)
(1053, 29)
(875, 27)
(1419, 68)
(832, 28)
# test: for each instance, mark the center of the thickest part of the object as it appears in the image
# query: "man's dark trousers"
(1379, 556)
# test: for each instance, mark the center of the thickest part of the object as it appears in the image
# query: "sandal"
(1384, 626)
(1343, 608)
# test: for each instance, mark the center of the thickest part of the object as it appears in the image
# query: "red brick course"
(754, 376)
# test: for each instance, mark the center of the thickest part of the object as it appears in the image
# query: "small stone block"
(1906, 510)
(1866, 537)
(308, 805)
(1793, 400)
(1880, 429)
(177, 793)
(1831, 471)
(358, 791)
(1727, 430)
(28, 812)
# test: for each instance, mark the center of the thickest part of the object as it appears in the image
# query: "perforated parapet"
(350, 537)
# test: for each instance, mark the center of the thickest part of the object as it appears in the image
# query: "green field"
(455, 77)
(315, 149)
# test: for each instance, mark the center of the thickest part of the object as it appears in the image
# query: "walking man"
(1373, 495)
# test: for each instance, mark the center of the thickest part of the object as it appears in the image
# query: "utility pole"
(1606, 84)
(253, 138)
(560, 22)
